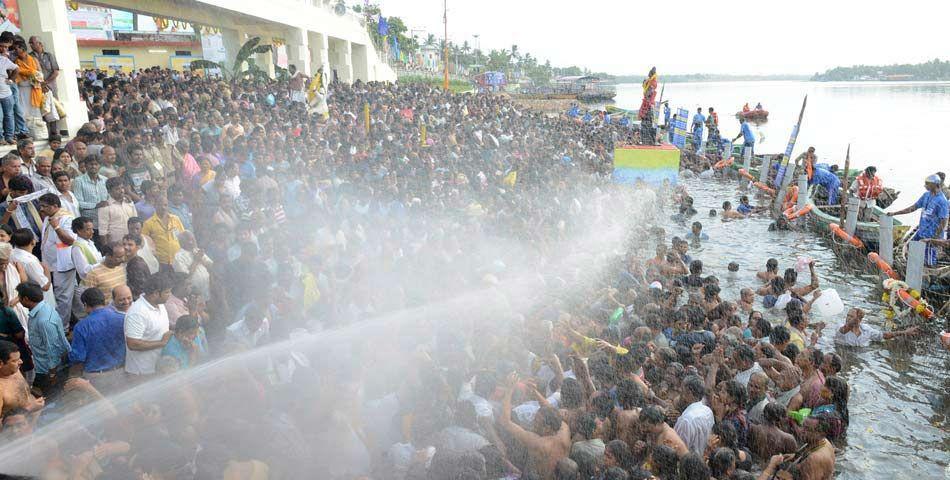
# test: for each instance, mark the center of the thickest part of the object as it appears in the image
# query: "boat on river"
(753, 115)
(821, 216)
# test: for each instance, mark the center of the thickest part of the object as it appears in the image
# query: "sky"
(692, 36)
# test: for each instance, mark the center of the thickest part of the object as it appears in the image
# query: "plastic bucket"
(828, 304)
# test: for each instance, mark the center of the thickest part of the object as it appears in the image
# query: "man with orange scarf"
(29, 78)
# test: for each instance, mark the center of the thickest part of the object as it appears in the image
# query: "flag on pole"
(383, 26)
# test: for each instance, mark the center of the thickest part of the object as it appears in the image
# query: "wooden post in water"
(914, 276)
(851, 222)
(886, 238)
(802, 190)
(847, 165)
(764, 172)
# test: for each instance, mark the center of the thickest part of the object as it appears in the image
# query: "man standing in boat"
(748, 138)
(698, 121)
(933, 217)
(867, 187)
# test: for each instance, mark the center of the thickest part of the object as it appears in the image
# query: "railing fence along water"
(914, 274)
(851, 221)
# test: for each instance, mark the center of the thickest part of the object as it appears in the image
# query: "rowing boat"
(822, 216)
(753, 115)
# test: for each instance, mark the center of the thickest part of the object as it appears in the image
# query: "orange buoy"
(876, 259)
(724, 163)
(792, 214)
(791, 197)
(840, 233)
(912, 302)
(765, 188)
(745, 174)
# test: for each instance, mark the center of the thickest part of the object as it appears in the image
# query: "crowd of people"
(323, 256)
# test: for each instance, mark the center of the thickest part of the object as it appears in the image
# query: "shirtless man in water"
(14, 391)
(658, 432)
(547, 444)
(729, 214)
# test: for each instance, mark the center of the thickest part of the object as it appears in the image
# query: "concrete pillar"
(319, 52)
(298, 50)
(764, 169)
(346, 61)
(47, 20)
(886, 238)
(914, 275)
(233, 39)
(747, 159)
(851, 220)
(802, 190)
(360, 60)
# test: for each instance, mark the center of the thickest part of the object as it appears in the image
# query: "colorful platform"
(652, 164)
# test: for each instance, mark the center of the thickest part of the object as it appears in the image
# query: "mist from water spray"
(296, 396)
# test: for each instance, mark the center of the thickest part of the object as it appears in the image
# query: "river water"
(899, 429)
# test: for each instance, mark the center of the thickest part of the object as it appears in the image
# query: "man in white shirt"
(697, 420)
(146, 329)
(854, 334)
(744, 359)
(252, 329)
(57, 239)
(193, 262)
(84, 253)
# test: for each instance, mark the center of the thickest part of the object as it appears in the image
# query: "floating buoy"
(922, 309)
(791, 198)
(876, 259)
(765, 188)
(745, 174)
(792, 214)
(840, 233)
(724, 163)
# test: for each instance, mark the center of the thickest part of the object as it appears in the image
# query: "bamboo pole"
(845, 195)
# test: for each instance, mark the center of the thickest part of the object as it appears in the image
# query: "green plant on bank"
(244, 57)
(456, 86)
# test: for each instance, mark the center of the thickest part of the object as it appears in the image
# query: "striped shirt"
(89, 193)
(105, 279)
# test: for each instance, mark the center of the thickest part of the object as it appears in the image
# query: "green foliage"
(933, 70)
(456, 86)
(244, 56)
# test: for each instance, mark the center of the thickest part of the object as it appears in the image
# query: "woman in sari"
(13, 275)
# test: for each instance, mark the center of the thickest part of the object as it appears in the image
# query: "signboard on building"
(91, 23)
(10, 13)
(114, 63)
(181, 63)
(122, 21)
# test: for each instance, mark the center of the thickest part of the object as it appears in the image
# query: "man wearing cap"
(933, 217)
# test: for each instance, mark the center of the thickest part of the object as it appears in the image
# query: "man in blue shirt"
(933, 217)
(829, 180)
(698, 121)
(47, 338)
(98, 348)
(748, 138)
(696, 232)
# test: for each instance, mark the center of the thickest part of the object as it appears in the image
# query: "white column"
(320, 48)
(764, 169)
(886, 238)
(914, 274)
(802, 190)
(298, 50)
(47, 20)
(346, 62)
(233, 39)
(851, 220)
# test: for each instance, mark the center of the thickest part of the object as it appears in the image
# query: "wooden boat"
(822, 216)
(753, 115)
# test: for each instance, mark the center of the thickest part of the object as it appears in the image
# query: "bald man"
(121, 298)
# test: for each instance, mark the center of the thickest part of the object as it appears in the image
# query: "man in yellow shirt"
(163, 228)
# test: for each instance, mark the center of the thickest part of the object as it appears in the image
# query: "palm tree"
(430, 40)
(251, 47)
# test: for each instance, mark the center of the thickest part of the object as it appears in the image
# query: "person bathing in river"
(728, 213)
(696, 233)
(771, 271)
(933, 217)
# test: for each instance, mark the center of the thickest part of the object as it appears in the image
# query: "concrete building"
(317, 33)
